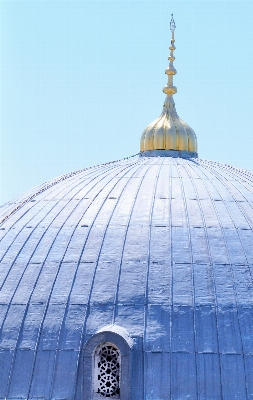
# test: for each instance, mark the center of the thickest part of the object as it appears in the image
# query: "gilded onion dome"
(169, 134)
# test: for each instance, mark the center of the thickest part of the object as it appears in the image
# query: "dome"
(130, 280)
(161, 247)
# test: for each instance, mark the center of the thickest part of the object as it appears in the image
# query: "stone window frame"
(119, 338)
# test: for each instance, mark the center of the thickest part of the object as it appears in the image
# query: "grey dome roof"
(162, 247)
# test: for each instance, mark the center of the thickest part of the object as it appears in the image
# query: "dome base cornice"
(169, 153)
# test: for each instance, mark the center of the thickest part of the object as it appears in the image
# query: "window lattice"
(108, 370)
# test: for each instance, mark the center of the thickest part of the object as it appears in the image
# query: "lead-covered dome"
(131, 280)
(161, 247)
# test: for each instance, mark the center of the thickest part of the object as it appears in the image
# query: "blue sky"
(80, 80)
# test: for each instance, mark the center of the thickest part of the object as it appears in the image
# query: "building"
(132, 279)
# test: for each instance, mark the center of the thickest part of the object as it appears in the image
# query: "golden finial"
(169, 135)
(169, 89)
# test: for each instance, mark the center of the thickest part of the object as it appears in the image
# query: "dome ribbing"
(159, 246)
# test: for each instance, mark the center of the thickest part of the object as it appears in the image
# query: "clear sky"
(80, 80)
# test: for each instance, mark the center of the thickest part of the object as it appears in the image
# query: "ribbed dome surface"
(162, 247)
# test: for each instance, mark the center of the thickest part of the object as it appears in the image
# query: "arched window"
(107, 364)
(106, 367)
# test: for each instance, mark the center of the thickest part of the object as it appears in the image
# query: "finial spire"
(169, 135)
(169, 89)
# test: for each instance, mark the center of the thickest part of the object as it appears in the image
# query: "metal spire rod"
(169, 89)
